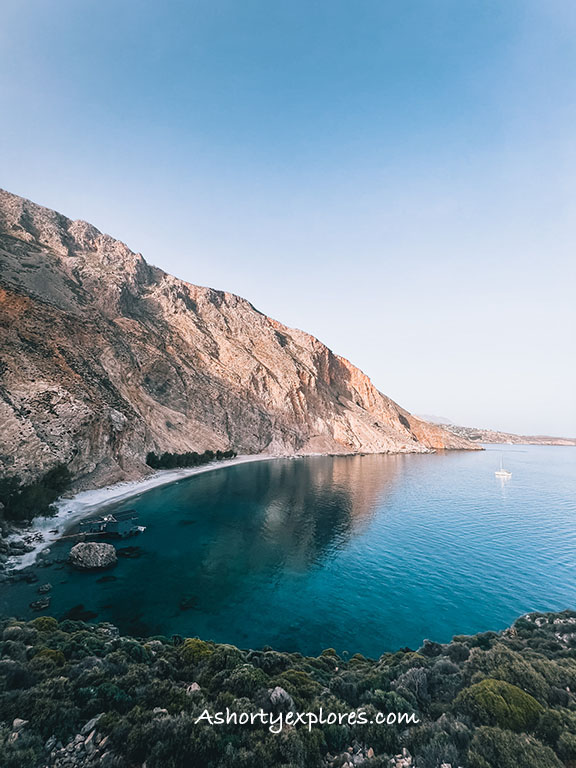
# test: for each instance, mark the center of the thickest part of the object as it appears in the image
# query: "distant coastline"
(494, 436)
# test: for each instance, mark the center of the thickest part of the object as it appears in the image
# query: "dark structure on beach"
(119, 525)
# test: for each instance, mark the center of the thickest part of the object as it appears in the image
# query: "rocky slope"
(104, 357)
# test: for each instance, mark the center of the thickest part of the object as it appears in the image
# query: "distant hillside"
(477, 435)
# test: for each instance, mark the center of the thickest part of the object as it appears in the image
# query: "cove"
(363, 553)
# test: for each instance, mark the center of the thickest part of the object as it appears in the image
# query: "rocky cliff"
(104, 357)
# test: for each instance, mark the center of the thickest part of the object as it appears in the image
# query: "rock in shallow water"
(92, 556)
(40, 605)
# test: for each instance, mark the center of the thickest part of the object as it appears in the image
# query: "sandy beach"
(85, 503)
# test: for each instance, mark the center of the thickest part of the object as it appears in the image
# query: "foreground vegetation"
(485, 701)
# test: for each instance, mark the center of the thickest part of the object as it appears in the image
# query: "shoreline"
(84, 503)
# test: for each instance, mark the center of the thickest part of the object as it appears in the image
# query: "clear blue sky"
(397, 177)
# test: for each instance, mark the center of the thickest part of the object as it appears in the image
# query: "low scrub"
(149, 695)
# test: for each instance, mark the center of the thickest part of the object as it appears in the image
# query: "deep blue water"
(362, 554)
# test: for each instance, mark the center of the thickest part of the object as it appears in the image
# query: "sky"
(396, 177)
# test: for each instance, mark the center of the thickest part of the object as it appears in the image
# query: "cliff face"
(104, 357)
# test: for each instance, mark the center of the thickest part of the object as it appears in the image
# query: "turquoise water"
(362, 554)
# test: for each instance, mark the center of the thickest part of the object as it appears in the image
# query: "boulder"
(92, 556)
(40, 605)
(89, 744)
(91, 724)
(280, 699)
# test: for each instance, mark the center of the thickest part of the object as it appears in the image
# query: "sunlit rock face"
(104, 357)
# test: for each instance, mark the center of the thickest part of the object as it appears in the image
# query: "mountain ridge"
(104, 357)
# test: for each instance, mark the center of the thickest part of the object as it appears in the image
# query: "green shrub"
(194, 650)
(25, 752)
(495, 748)
(297, 683)
(503, 663)
(45, 624)
(566, 746)
(495, 702)
(49, 654)
(59, 675)
(246, 680)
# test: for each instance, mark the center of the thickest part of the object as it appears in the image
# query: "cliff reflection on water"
(229, 540)
(364, 554)
(306, 510)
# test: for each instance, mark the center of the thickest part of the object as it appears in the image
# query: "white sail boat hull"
(502, 472)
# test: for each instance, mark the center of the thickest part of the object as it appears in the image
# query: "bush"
(567, 746)
(495, 702)
(23, 502)
(45, 624)
(494, 747)
(458, 652)
(49, 654)
(60, 675)
(194, 650)
(246, 680)
(503, 663)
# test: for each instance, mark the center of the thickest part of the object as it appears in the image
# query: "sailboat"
(502, 472)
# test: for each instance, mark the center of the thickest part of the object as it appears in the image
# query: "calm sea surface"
(362, 554)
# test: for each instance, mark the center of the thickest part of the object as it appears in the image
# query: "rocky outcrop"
(87, 748)
(92, 556)
(104, 358)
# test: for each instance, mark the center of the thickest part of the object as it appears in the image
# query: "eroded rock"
(92, 556)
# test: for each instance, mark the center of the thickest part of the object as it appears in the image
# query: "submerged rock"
(40, 605)
(92, 556)
(79, 613)
(130, 552)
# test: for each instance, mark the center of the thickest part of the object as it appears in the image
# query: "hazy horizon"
(398, 181)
